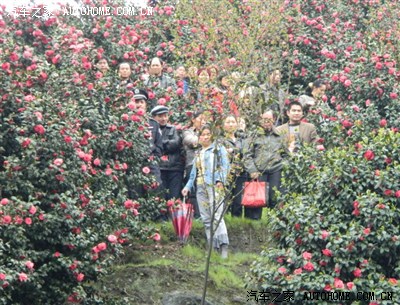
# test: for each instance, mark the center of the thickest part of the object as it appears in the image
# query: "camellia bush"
(337, 228)
(74, 148)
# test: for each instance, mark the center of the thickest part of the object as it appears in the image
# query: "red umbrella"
(182, 218)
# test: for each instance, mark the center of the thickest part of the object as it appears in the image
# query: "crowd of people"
(209, 169)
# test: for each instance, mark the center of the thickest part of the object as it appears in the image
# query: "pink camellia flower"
(179, 91)
(58, 162)
(160, 53)
(29, 98)
(369, 155)
(156, 237)
(22, 277)
(39, 129)
(338, 283)
(2, 276)
(308, 267)
(7, 219)
(32, 210)
(298, 271)
(347, 83)
(324, 234)
(140, 112)
(232, 61)
(357, 272)
(393, 95)
(350, 285)
(108, 171)
(4, 201)
(282, 270)
(397, 194)
(307, 256)
(96, 162)
(112, 238)
(320, 147)
(29, 264)
(146, 170)
(327, 252)
(80, 277)
(131, 105)
(128, 204)
(367, 231)
(164, 158)
(28, 221)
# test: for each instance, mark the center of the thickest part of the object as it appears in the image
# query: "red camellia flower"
(392, 281)
(357, 272)
(369, 155)
(388, 192)
(25, 143)
(347, 123)
(308, 267)
(101, 246)
(328, 287)
(383, 123)
(39, 129)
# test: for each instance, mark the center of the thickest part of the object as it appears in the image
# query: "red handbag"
(254, 194)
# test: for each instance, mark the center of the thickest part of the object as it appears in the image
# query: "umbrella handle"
(184, 199)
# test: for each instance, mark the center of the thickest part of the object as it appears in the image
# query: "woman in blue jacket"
(210, 171)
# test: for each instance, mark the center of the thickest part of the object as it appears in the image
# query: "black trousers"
(172, 183)
(237, 193)
(274, 181)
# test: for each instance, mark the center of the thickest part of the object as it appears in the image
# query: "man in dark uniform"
(141, 98)
(172, 163)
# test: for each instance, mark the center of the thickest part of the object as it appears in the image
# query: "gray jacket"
(263, 152)
(190, 141)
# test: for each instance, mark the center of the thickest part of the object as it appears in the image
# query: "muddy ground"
(148, 273)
